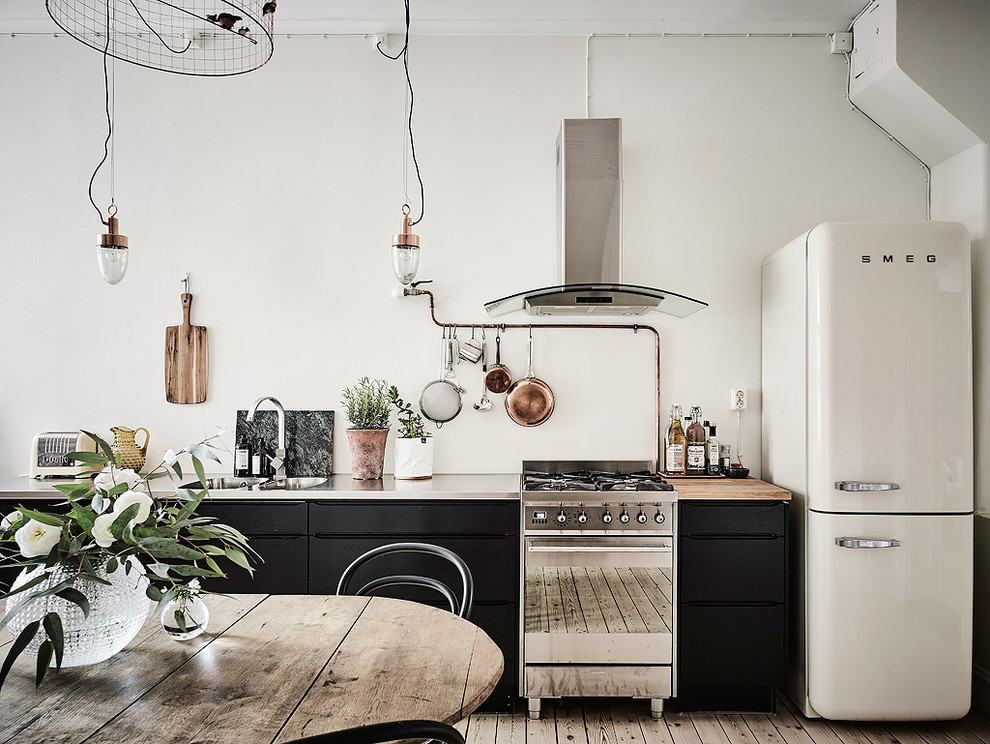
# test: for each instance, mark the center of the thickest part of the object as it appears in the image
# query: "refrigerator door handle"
(860, 543)
(861, 486)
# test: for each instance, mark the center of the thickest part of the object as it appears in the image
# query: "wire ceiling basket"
(209, 38)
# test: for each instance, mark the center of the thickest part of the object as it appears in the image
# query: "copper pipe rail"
(634, 327)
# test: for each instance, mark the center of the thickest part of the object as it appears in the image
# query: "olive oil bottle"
(676, 443)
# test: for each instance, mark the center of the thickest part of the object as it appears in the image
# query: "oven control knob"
(624, 517)
(561, 517)
(582, 518)
(642, 518)
(607, 517)
(659, 518)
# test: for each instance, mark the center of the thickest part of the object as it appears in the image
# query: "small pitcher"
(127, 450)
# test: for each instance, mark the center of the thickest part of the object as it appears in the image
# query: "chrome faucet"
(278, 462)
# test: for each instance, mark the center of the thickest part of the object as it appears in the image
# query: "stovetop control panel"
(627, 516)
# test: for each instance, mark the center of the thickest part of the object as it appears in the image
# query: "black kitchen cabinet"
(278, 531)
(483, 533)
(732, 605)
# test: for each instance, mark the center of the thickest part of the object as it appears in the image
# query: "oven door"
(598, 600)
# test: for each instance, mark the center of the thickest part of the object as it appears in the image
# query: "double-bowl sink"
(233, 483)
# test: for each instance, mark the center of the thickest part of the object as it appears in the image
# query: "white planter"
(414, 458)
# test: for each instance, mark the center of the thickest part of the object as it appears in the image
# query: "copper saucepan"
(529, 401)
(497, 377)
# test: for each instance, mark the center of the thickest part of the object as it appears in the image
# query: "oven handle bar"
(599, 549)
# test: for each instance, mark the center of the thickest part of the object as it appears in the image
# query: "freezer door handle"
(861, 486)
(860, 543)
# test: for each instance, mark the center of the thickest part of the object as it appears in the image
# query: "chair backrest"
(462, 608)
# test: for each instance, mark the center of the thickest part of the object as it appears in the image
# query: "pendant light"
(405, 244)
(111, 254)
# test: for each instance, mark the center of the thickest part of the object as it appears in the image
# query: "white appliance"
(868, 420)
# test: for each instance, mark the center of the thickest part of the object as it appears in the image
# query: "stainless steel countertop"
(443, 486)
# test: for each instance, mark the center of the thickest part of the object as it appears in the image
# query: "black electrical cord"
(404, 53)
(106, 105)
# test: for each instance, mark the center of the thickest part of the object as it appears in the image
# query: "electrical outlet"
(737, 399)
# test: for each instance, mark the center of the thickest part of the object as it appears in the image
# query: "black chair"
(382, 732)
(462, 608)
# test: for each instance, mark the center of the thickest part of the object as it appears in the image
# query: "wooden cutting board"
(187, 360)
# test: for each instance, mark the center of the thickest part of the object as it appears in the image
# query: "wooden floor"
(629, 722)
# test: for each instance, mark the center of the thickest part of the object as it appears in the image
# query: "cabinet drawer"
(731, 645)
(733, 518)
(437, 518)
(284, 571)
(259, 517)
(732, 569)
(493, 562)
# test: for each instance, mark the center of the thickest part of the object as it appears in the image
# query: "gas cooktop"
(591, 475)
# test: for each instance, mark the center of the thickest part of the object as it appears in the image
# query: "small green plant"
(368, 404)
(411, 424)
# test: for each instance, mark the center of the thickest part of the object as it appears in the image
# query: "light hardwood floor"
(629, 722)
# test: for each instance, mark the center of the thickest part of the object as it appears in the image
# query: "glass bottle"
(695, 459)
(185, 617)
(712, 466)
(260, 460)
(676, 442)
(242, 457)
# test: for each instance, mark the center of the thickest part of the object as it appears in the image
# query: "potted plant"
(414, 445)
(368, 405)
(90, 569)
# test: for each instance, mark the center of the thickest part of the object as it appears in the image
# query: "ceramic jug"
(127, 450)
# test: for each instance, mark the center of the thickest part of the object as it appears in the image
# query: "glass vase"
(185, 617)
(117, 612)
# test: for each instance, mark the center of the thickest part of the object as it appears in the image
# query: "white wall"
(279, 191)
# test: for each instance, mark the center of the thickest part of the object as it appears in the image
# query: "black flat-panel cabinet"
(485, 534)
(732, 605)
(278, 531)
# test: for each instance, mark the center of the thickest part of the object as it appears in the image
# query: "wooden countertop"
(697, 488)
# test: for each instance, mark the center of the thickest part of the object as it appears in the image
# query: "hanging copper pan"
(529, 401)
(497, 376)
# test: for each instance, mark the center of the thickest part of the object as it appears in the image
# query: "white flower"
(110, 477)
(134, 497)
(36, 539)
(101, 530)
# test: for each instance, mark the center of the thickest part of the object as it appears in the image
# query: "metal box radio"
(50, 454)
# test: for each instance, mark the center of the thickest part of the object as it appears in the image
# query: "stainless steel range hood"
(589, 235)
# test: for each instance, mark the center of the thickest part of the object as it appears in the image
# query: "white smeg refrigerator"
(868, 421)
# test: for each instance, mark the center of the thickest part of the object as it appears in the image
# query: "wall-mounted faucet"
(278, 462)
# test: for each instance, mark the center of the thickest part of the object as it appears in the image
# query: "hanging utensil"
(484, 404)
(529, 401)
(498, 378)
(471, 350)
(440, 400)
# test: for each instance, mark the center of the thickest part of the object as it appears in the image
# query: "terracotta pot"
(367, 448)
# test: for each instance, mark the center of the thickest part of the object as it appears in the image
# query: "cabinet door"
(283, 572)
(412, 518)
(731, 644)
(256, 517)
(732, 569)
(501, 622)
(493, 562)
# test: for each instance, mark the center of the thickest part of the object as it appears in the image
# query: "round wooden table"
(269, 669)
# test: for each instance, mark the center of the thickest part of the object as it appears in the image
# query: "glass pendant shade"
(405, 251)
(112, 253)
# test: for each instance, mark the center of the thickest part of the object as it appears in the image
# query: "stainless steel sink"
(227, 483)
(290, 484)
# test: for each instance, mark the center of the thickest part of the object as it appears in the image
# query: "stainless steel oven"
(599, 582)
